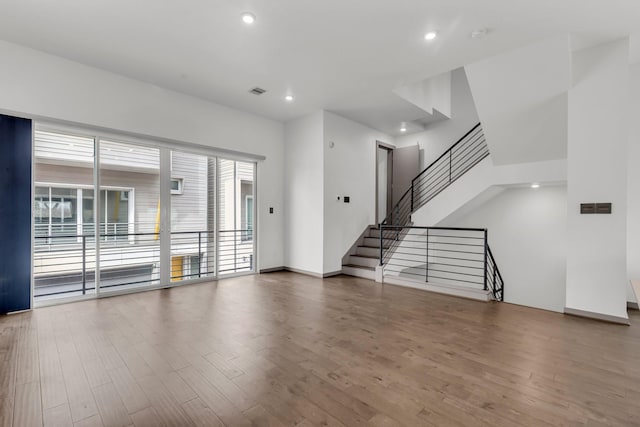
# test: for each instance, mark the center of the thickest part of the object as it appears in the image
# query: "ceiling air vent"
(257, 91)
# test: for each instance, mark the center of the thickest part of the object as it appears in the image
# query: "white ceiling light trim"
(248, 18)
(431, 35)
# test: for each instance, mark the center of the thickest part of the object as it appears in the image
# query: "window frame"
(180, 182)
(79, 205)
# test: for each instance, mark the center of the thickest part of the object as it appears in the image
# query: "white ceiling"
(345, 56)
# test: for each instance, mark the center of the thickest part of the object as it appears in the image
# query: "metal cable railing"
(443, 255)
(65, 265)
(450, 166)
(494, 278)
(235, 251)
(442, 172)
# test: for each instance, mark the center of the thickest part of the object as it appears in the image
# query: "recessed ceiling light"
(403, 129)
(248, 18)
(430, 35)
(535, 185)
(288, 98)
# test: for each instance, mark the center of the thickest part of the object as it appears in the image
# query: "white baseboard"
(597, 316)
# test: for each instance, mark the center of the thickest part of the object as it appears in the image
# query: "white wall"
(633, 182)
(433, 93)
(597, 172)
(528, 237)
(36, 84)
(521, 100)
(303, 187)
(439, 136)
(483, 179)
(349, 170)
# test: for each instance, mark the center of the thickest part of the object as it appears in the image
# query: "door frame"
(389, 148)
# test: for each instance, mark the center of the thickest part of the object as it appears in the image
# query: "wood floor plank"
(9, 336)
(146, 418)
(130, 392)
(52, 384)
(168, 410)
(96, 372)
(286, 349)
(94, 421)
(27, 408)
(81, 402)
(60, 416)
(110, 406)
(201, 414)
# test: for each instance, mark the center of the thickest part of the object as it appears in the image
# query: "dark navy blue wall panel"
(15, 214)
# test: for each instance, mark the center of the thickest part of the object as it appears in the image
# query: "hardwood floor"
(283, 349)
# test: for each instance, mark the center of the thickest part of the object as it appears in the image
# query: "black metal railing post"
(397, 221)
(426, 279)
(486, 265)
(495, 289)
(199, 253)
(450, 161)
(411, 196)
(381, 247)
(84, 264)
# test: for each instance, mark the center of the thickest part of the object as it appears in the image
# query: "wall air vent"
(257, 91)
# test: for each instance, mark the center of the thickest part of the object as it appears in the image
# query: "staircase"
(462, 261)
(365, 254)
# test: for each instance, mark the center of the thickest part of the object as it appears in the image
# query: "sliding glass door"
(133, 215)
(236, 216)
(193, 243)
(129, 211)
(64, 247)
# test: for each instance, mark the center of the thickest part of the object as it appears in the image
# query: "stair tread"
(366, 256)
(359, 266)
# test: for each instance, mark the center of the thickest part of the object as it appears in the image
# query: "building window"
(248, 212)
(66, 213)
(177, 185)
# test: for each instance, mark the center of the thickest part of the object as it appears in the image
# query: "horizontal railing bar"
(454, 237)
(455, 280)
(451, 148)
(63, 292)
(395, 227)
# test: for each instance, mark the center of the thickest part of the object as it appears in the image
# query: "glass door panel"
(192, 216)
(236, 217)
(129, 207)
(64, 251)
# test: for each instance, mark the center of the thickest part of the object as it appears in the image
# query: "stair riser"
(366, 262)
(370, 241)
(374, 232)
(357, 272)
(362, 250)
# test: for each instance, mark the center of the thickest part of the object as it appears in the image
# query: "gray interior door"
(406, 165)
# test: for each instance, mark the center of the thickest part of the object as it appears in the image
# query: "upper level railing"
(65, 264)
(444, 255)
(451, 165)
(447, 255)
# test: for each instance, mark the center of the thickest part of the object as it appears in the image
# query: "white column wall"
(633, 190)
(349, 170)
(303, 186)
(597, 172)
